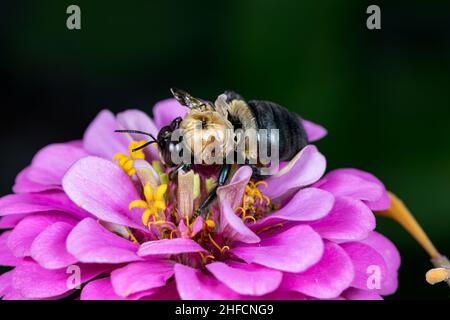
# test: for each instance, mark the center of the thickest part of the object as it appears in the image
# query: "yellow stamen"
(153, 204)
(131, 235)
(187, 222)
(249, 217)
(221, 249)
(146, 215)
(158, 204)
(278, 225)
(148, 193)
(160, 191)
(205, 258)
(138, 204)
(210, 224)
(264, 183)
(171, 233)
(157, 222)
(128, 165)
(127, 162)
(136, 154)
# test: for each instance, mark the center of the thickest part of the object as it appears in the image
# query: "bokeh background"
(384, 95)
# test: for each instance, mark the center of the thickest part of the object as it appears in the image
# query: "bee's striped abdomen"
(292, 135)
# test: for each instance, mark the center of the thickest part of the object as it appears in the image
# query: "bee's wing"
(187, 100)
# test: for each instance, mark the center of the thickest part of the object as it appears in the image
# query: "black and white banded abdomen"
(292, 135)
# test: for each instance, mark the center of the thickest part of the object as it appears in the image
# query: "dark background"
(384, 95)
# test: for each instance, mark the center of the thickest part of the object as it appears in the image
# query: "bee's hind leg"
(259, 173)
(223, 177)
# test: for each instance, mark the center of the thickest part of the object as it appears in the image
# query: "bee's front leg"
(174, 173)
(223, 177)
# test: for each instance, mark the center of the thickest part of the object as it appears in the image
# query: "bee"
(224, 124)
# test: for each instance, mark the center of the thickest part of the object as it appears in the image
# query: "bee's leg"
(256, 171)
(174, 173)
(223, 177)
(259, 172)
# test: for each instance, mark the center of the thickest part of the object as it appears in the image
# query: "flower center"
(161, 213)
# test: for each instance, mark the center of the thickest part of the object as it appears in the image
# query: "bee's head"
(166, 145)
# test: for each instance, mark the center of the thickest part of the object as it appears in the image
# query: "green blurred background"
(384, 95)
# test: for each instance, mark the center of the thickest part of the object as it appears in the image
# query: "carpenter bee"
(225, 124)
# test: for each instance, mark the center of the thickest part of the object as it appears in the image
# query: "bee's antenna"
(143, 146)
(140, 132)
(137, 132)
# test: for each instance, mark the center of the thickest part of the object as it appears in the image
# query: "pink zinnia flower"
(110, 213)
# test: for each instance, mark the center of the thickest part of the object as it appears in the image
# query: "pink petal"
(282, 295)
(381, 204)
(100, 138)
(358, 294)
(23, 235)
(385, 247)
(292, 250)
(304, 169)
(21, 204)
(232, 226)
(7, 292)
(349, 219)
(6, 256)
(91, 243)
(246, 279)
(34, 282)
(23, 184)
(9, 222)
(234, 191)
(197, 226)
(326, 279)
(169, 246)
(41, 202)
(192, 284)
(388, 250)
(103, 189)
(51, 163)
(313, 131)
(136, 120)
(49, 247)
(168, 292)
(167, 110)
(102, 289)
(357, 184)
(364, 259)
(140, 276)
(307, 205)
(341, 184)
